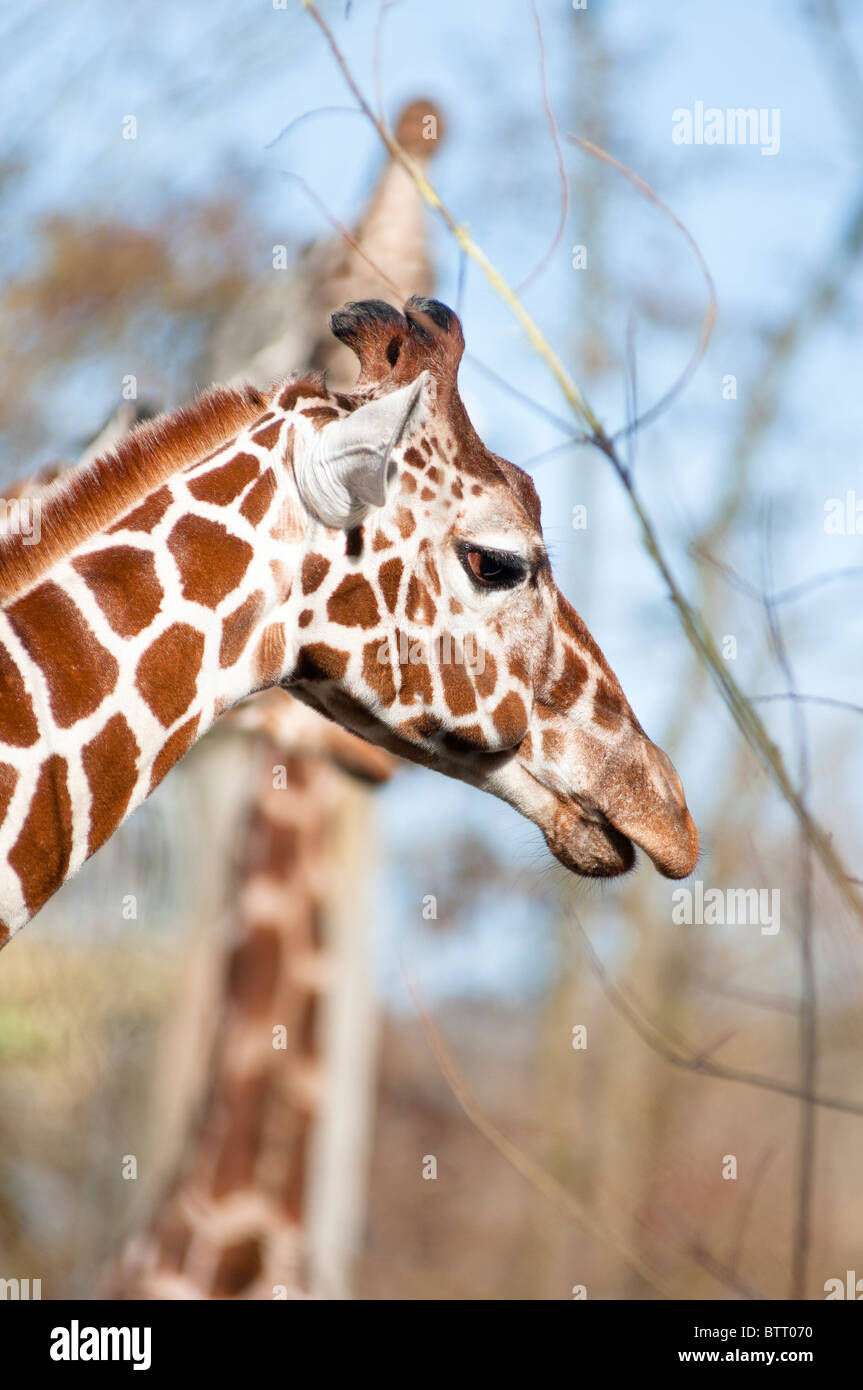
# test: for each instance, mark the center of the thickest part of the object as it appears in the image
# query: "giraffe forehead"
(494, 501)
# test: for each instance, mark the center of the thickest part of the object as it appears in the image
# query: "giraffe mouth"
(588, 842)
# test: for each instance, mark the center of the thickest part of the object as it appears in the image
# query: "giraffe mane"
(92, 495)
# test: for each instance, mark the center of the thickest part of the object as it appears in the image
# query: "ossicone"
(393, 348)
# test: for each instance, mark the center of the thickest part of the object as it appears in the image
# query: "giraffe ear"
(341, 470)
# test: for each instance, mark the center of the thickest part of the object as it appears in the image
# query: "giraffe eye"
(492, 569)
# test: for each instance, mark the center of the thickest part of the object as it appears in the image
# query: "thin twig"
(558, 152)
(746, 1208)
(708, 322)
(801, 1241)
(523, 1163)
(691, 1060)
(797, 698)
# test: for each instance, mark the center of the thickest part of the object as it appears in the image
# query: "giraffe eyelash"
(491, 569)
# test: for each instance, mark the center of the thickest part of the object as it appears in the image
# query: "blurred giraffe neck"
(232, 1225)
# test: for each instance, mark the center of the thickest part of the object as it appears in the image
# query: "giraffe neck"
(231, 1226)
(128, 647)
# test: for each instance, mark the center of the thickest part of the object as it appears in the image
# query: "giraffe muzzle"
(638, 801)
(644, 802)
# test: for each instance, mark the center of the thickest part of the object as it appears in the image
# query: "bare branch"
(691, 1060)
(561, 167)
(708, 322)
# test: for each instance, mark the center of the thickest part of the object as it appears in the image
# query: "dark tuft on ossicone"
(352, 320)
(419, 309)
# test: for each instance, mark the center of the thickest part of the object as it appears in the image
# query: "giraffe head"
(430, 622)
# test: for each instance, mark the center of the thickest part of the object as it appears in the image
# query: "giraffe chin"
(590, 848)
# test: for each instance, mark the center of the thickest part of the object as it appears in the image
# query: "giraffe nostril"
(669, 776)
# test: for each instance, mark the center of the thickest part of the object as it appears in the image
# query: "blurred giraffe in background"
(234, 1221)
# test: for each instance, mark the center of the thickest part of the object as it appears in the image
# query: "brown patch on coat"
(294, 1188)
(518, 667)
(211, 562)
(79, 672)
(224, 484)
(381, 542)
(244, 1101)
(416, 683)
(425, 556)
(313, 572)
(458, 691)
(268, 437)
(405, 522)
(421, 607)
(253, 967)
(8, 783)
(283, 579)
(40, 855)
(320, 662)
(570, 682)
(377, 674)
(287, 525)
(415, 458)
(486, 679)
(124, 583)
(167, 673)
(147, 516)
(510, 719)
(276, 850)
(269, 659)
(176, 747)
(111, 767)
(18, 724)
(237, 628)
(608, 705)
(390, 576)
(353, 603)
(552, 743)
(256, 503)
